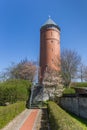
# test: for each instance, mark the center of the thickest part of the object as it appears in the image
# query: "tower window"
(51, 41)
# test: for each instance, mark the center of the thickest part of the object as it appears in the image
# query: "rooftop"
(50, 22)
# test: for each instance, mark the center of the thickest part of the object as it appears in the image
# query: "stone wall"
(76, 105)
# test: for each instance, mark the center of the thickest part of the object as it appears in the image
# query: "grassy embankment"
(71, 90)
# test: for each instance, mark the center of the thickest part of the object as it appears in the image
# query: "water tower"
(49, 46)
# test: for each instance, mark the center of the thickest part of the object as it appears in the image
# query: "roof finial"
(49, 16)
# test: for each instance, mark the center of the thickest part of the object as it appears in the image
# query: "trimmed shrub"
(7, 113)
(61, 120)
(14, 90)
(69, 91)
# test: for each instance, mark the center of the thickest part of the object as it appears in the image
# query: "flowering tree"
(53, 83)
(23, 70)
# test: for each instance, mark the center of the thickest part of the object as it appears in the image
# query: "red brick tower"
(49, 46)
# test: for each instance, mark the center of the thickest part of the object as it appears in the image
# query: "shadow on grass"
(80, 119)
(44, 120)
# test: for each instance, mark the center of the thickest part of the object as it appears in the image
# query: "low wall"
(76, 105)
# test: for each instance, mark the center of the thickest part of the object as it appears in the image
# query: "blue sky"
(20, 22)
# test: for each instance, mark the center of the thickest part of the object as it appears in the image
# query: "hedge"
(61, 120)
(7, 113)
(14, 90)
(69, 91)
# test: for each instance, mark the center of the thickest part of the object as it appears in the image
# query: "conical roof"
(48, 23)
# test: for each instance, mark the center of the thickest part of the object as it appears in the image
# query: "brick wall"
(49, 48)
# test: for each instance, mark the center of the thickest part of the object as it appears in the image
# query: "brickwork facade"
(49, 48)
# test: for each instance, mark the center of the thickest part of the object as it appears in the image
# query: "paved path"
(27, 120)
(29, 123)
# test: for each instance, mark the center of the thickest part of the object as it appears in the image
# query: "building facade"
(49, 47)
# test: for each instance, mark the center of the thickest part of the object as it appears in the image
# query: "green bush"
(69, 91)
(7, 113)
(61, 120)
(78, 84)
(14, 90)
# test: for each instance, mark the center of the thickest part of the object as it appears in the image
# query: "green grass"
(7, 113)
(78, 84)
(61, 120)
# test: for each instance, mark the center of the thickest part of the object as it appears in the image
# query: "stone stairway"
(36, 97)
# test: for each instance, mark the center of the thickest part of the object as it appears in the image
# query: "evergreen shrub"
(14, 90)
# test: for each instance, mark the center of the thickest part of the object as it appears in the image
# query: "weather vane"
(49, 16)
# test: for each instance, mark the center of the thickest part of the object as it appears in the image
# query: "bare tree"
(81, 72)
(53, 83)
(70, 60)
(85, 73)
